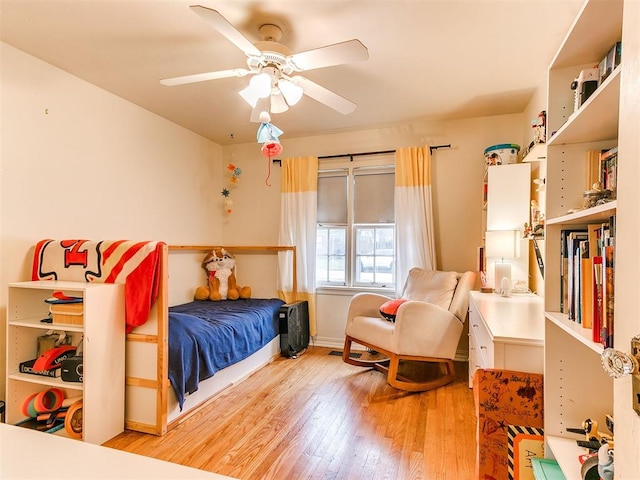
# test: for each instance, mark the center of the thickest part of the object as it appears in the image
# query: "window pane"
(322, 241)
(332, 199)
(373, 202)
(331, 255)
(375, 256)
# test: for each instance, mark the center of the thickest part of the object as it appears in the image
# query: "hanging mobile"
(268, 135)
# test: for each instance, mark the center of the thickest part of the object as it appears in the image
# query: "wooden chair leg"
(402, 383)
(347, 358)
(392, 373)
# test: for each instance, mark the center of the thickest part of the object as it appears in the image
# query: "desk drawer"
(481, 341)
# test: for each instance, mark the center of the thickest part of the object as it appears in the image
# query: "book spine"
(598, 277)
(608, 307)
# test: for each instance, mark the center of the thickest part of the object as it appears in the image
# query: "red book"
(608, 303)
(598, 275)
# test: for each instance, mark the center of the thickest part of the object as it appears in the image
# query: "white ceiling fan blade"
(336, 54)
(322, 95)
(221, 24)
(201, 77)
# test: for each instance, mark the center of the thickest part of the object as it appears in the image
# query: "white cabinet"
(506, 332)
(576, 387)
(508, 208)
(102, 332)
(508, 196)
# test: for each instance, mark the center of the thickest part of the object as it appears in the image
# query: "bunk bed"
(161, 394)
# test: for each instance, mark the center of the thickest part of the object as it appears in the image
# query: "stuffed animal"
(219, 265)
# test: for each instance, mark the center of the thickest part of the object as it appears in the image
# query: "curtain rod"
(361, 154)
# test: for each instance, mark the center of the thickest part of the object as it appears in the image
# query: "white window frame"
(343, 165)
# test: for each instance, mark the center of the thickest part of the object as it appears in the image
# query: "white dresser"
(506, 333)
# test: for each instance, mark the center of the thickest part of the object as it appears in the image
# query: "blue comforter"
(205, 337)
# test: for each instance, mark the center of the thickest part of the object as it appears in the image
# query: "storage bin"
(501, 154)
(68, 313)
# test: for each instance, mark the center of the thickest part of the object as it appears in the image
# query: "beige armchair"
(427, 327)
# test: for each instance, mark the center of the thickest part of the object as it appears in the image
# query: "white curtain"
(298, 214)
(415, 240)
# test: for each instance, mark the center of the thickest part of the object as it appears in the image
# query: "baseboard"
(461, 356)
(329, 342)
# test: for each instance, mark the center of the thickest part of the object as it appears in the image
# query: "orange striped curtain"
(415, 239)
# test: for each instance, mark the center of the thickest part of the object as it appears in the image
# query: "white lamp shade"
(262, 84)
(278, 104)
(249, 96)
(502, 280)
(502, 243)
(259, 87)
(291, 92)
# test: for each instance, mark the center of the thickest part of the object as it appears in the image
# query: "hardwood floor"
(316, 417)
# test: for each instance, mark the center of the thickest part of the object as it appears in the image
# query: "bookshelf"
(102, 332)
(576, 386)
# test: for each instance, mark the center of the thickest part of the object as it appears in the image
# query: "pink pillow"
(389, 309)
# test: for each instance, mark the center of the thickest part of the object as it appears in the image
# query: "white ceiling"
(427, 58)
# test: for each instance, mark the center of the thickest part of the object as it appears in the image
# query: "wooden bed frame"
(151, 406)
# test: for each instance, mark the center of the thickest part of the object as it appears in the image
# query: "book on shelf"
(564, 268)
(573, 240)
(608, 297)
(593, 168)
(590, 250)
(598, 280)
(586, 279)
(586, 285)
(609, 170)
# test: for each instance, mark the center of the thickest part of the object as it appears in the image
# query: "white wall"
(79, 162)
(456, 181)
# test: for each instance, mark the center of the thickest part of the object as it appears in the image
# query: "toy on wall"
(268, 135)
(233, 180)
(222, 284)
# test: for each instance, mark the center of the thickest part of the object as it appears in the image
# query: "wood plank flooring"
(316, 417)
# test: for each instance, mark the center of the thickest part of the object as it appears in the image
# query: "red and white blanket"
(136, 264)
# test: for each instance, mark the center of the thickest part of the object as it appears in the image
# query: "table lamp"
(503, 244)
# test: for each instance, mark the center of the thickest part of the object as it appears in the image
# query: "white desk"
(27, 453)
(506, 332)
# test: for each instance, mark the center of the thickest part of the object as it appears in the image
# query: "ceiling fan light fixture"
(291, 92)
(259, 87)
(249, 96)
(278, 103)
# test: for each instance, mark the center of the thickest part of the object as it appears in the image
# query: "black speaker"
(294, 328)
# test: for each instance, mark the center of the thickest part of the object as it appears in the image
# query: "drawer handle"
(483, 347)
(474, 325)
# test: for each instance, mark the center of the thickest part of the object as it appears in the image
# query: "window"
(355, 240)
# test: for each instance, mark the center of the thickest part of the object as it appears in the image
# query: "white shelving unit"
(103, 345)
(576, 386)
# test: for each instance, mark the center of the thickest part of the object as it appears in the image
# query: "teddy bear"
(219, 266)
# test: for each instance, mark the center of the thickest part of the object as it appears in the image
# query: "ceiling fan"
(274, 85)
